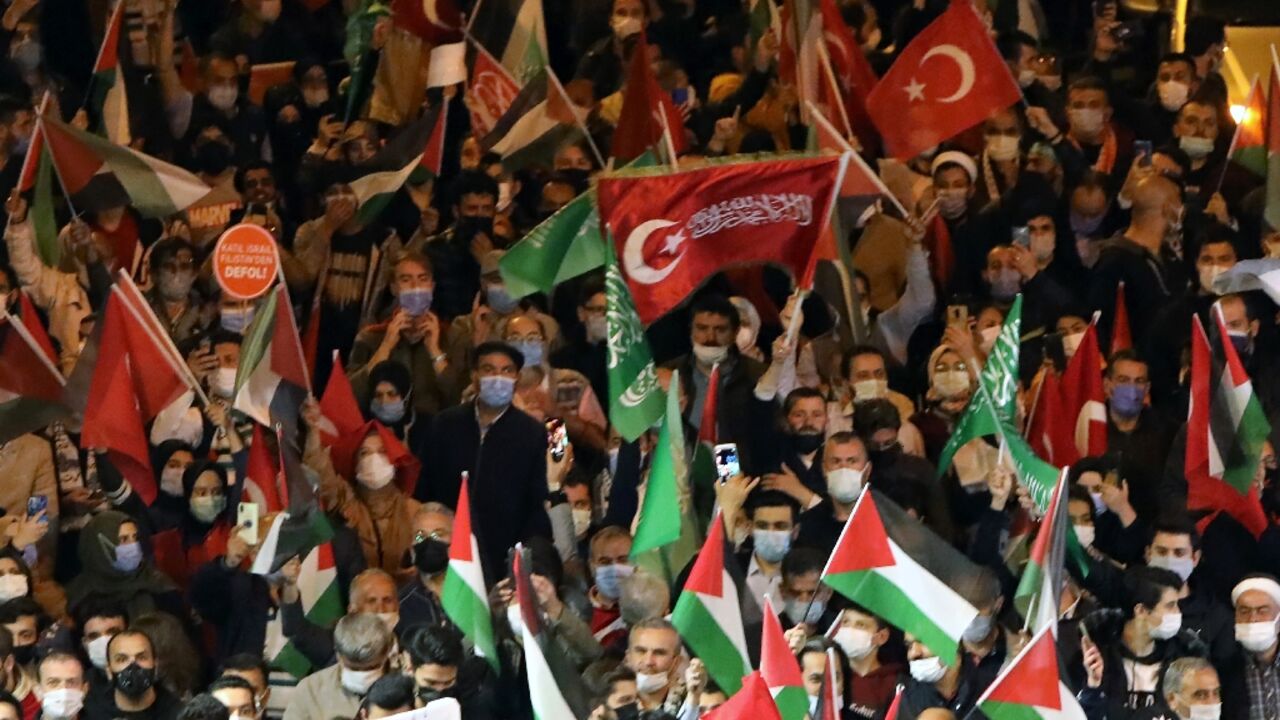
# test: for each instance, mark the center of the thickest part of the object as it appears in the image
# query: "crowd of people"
(1113, 173)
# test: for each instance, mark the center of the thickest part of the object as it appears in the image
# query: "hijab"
(99, 577)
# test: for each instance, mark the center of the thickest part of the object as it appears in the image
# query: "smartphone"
(726, 455)
(958, 316)
(1142, 152)
(1022, 236)
(37, 504)
(568, 395)
(557, 438)
(247, 520)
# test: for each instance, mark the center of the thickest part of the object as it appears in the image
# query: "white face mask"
(710, 354)
(171, 481)
(928, 670)
(1085, 534)
(1026, 77)
(1173, 94)
(1169, 626)
(1181, 566)
(375, 471)
(1209, 273)
(96, 649)
(649, 683)
(865, 390)
(13, 586)
(223, 383)
(62, 703)
(358, 682)
(391, 620)
(844, 484)
(1196, 148)
(1256, 637)
(1003, 148)
(581, 521)
(1207, 711)
(979, 629)
(855, 642)
(951, 383)
(624, 26)
(988, 336)
(1085, 121)
(223, 97)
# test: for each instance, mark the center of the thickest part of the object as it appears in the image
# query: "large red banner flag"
(949, 78)
(672, 231)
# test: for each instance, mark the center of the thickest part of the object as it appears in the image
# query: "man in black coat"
(504, 452)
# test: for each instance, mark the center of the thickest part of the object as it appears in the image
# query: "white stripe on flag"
(531, 126)
(727, 610)
(946, 608)
(267, 553)
(255, 396)
(470, 572)
(544, 694)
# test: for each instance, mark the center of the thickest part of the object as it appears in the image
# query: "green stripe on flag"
(701, 631)
(792, 702)
(884, 598)
(43, 221)
(292, 661)
(257, 341)
(471, 614)
(1010, 711)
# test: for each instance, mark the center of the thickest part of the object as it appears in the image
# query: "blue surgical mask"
(1127, 400)
(1241, 341)
(390, 411)
(532, 350)
(772, 545)
(128, 557)
(497, 390)
(1085, 225)
(803, 611)
(499, 299)
(609, 579)
(236, 321)
(207, 509)
(415, 301)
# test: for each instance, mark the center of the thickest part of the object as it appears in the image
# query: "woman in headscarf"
(391, 404)
(202, 531)
(170, 460)
(951, 382)
(115, 569)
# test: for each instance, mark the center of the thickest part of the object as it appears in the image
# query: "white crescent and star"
(633, 252)
(429, 11)
(915, 89)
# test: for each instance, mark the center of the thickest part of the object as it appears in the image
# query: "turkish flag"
(852, 71)
(1083, 402)
(948, 79)
(640, 125)
(489, 94)
(435, 21)
(673, 231)
(1047, 431)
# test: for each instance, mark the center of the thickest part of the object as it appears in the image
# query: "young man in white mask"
(363, 645)
(1135, 657)
(846, 471)
(1254, 678)
(61, 686)
(860, 637)
(653, 654)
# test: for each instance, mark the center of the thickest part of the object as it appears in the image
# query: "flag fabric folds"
(1040, 588)
(750, 703)
(1032, 686)
(1249, 144)
(490, 93)
(658, 522)
(556, 690)
(539, 120)
(272, 379)
(644, 107)
(386, 172)
(107, 98)
(1083, 401)
(31, 387)
(779, 669)
(464, 598)
(635, 398)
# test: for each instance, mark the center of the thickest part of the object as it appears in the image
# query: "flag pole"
(113, 25)
(668, 141)
(1235, 137)
(551, 76)
(31, 343)
(165, 342)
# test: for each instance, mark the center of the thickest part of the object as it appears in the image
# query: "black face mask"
(431, 556)
(630, 711)
(428, 694)
(24, 654)
(579, 177)
(468, 227)
(213, 158)
(806, 442)
(134, 681)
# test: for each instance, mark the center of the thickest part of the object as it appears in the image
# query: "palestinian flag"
(709, 612)
(262, 477)
(309, 536)
(433, 153)
(464, 598)
(272, 381)
(30, 385)
(108, 104)
(556, 690)
(830, 701)
(540, 119)
(1226, 428)
(1271, 209)
(898, 569)
(753, 702)
(859, 180)
(31, 322)
(1249, 144)
(1040, 587)
(515, 32)
(779, 669)
(1031, 687)
(391, 168)
(99, 174)
(35, 181)
(341, 412)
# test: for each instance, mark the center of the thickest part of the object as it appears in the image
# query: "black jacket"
(734, 412)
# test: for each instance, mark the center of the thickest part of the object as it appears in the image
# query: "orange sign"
(245, 261)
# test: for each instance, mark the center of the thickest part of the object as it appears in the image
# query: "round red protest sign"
(245, 261)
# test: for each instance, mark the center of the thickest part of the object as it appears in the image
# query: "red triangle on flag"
(460, 544)
(752, 702)
(22, 371)
(707, 575)
(109, 53)
(1032, 678)
(864, 543)
(777, 664)
(287, 359)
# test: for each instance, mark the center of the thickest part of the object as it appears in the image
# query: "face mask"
(269, 10)
(855, 642)
(1196, 148)
(927, 670)
(415, 301)
(1207, 711)
(431, 556)
(532, 350)
(96, 649)
(624, 26)
(1026, 77)
(388, 412)
(806, 442)
(171, 481)
(1181, 566)
(710, 354)
(1052, 82)
(314, 98)
(212, 158)
(597, 329)
(500, 299)
(987, 338)
(391, 620)
(803, 611)
(1169, 626)
(772, 545)
(62, 703)
(609, 579)
(223, 97)
(27, 55)
(1085, 121)
(1071, 343)
(1241, 342)
(951, 383)
(24, 654)
(952, 203)
(1085, 534)
(430, 695)
(223, 382)
(864, 390)
(12, 586)
(1256, 637)
(1099, 505)
(468, 227)
(375, 471)
(1006, 285)
(1209, 273)
(358, 682)
(134, 681)
(1127, 400)
(979, 629)
(647, 684)
(515, 621)
(128, 557)
(1003, 148)
(207, 509)
(236, 321)
(1085, 224)
(496, 391)
(1042, 246)
(175, 286)
(581, 521)
(1173, 94)
(844, 484)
